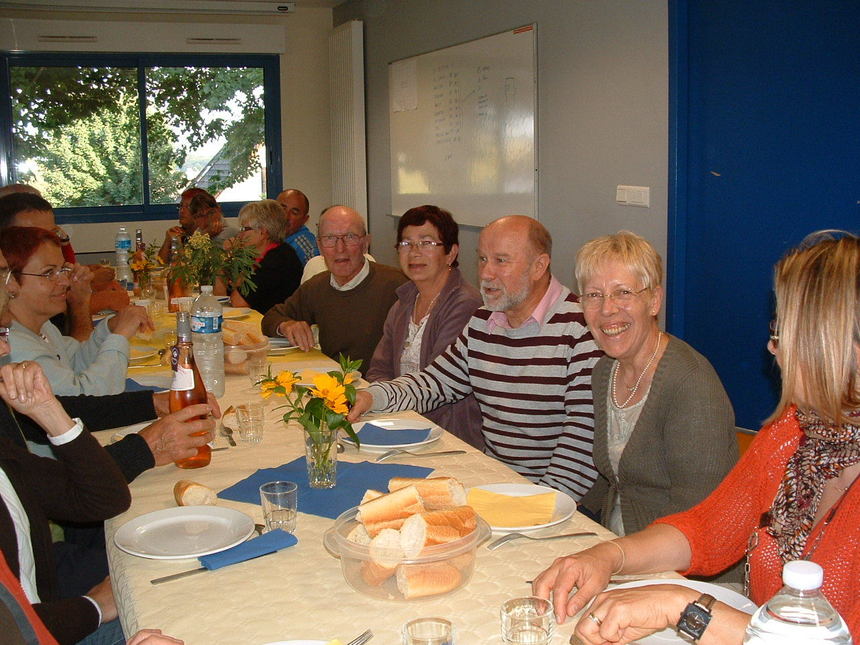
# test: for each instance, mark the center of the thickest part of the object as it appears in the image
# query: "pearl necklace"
(638, 380)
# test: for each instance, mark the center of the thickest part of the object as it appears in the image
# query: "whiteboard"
(462, 123)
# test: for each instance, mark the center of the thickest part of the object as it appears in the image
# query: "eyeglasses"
(7, 273)
(621, 297)
(350, 239)
(774, 333)
(247, 228)
(420, 245)
(53, 274)
(4, 334)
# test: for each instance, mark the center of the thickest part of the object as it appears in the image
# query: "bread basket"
(436, 571)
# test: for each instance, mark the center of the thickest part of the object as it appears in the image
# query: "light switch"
(633, 196)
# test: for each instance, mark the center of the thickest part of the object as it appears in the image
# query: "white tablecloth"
(299, 593)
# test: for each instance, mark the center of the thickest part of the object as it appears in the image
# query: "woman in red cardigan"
(794, 492)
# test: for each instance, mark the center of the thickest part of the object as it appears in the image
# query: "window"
(117, 137)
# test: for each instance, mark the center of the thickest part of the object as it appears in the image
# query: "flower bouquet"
(143, 264)
(201, 261)
(321, 411)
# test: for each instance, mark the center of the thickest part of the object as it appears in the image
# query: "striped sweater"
(533, 385)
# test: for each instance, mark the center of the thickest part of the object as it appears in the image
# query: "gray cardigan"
(681, 447)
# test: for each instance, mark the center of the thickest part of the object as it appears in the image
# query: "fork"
(361, 639)
(492, 546)
(226, 430)
(399, 451)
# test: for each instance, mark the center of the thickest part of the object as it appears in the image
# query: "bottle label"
(183, 379)
(206, 324)
(123, 245)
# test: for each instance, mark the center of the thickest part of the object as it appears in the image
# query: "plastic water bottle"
(206, 317)
(799, 613)
(122, 248)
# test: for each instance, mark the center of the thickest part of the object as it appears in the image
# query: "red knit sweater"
(718, 528)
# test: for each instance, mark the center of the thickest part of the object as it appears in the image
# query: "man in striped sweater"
(527, 356)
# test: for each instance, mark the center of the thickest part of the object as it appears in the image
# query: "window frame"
(270, 64)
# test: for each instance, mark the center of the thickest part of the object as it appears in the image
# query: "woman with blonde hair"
(279, 269)
(793, 495)
(664, 429)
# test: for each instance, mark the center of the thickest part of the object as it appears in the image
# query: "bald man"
(349, 302)
(296, 208)
(526, 355)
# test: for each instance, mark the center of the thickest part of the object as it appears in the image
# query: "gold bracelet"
(623, 556)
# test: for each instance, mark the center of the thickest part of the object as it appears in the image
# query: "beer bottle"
(187, 387)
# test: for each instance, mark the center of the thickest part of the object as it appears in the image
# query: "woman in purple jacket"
(431, 311)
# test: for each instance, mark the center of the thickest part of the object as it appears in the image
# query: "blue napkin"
(352, 481)
(373, 435)
(133, 386)
(263, 545)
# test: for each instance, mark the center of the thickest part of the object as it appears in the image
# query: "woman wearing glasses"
(793, 495)
(37, 288)
(664, 433)
(431, 310)
(279, 268)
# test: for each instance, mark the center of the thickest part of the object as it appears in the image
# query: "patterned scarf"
(824, 450)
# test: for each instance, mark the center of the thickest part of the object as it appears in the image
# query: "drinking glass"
(279, 500)
(258, 368)
(428, 631)
(527, 621)
(251, 416)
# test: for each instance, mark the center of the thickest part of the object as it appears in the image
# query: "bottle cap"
(803, 575)
(206, 289)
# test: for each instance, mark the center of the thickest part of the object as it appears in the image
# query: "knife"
(191, 572)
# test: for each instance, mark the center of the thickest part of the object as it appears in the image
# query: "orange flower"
(267, 388)
(287, 380)
(327, 388)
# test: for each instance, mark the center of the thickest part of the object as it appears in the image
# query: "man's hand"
(102, 593)
(161, 403)
(179, 434)
(298, 332)
(131, 319)
(363, 402)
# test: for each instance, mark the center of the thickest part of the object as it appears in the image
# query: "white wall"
(301, 38)
(602, 108)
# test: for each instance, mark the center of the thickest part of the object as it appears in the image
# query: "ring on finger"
(595, 620)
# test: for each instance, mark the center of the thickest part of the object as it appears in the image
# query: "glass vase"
(321, 455)
(147, 289)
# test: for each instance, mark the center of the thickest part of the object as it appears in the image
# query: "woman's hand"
(363, 402)
(129, 320)
(625, 615)
(587, 571)
(153, 637)
(25, 387)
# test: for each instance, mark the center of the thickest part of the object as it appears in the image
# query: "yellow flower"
(287, 380)
(267, 388)
(327, 388)
(199, 240)
(348, 378)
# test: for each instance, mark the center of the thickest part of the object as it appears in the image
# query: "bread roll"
(417, 580)
(359, 535)
(385, 550)
(375, 574)
(436, 492)
(189, 493)
(435, 527)
(389, 511)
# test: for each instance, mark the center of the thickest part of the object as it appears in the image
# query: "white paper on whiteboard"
(404, 86)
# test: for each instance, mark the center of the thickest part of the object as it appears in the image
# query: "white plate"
(564, 504)
(281, 342)
(394, 423)
(183, 532)
(235, 312)
(298, 643)
(119, 433)
(669, 635)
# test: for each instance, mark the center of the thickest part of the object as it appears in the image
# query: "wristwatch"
(695, 618)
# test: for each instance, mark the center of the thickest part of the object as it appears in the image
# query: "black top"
(278, 275)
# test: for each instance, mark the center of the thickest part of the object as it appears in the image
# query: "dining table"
(299, 593)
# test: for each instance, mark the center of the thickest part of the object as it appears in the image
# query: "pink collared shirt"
(500, 318)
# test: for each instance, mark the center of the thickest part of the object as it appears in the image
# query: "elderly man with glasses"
(349, 302)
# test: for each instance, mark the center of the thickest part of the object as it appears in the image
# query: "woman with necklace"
(793, 495)
(664, 431)
(431, 310)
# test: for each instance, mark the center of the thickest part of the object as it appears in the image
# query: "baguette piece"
(375, 574)
(435, 527)
(385, 550)
(189, 493)
(417, 580)
(359, 535)
(437, 492)
(370, 494)
(389, 511)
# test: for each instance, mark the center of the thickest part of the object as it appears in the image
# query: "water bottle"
(122, 247)
(123, 242)
(206, 320)
(799, 613)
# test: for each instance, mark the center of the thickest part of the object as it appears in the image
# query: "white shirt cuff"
(98, 609)
(68, 436)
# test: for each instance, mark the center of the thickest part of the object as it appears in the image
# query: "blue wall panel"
(766, 129)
